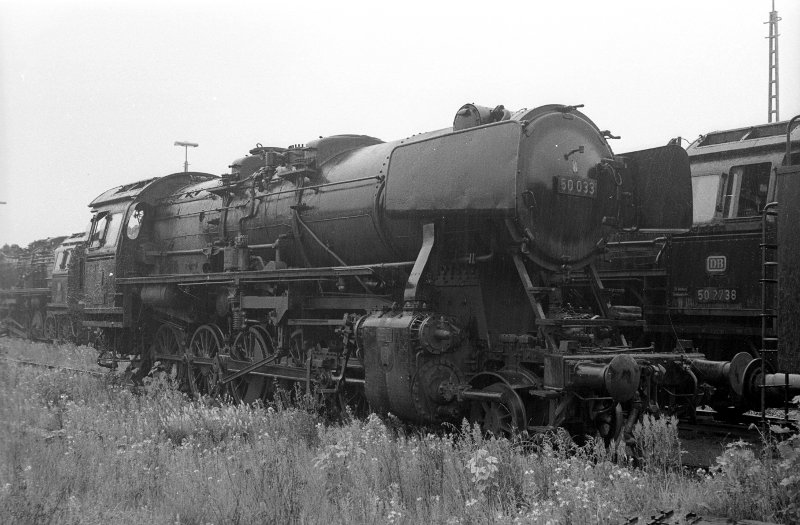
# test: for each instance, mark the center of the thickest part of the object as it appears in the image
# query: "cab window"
(61, 263)
(114, 225)
(98, 231)
(135, 222)
(65, 260)
(105, 230)
(705, 190)
(746, 189)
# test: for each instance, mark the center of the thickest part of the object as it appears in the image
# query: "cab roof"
(129, 192)
(770, 136)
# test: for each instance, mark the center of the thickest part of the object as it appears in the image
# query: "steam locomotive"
(33, 290)
(421, 276)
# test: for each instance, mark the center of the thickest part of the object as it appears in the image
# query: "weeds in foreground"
(84, 450)
(750, 484)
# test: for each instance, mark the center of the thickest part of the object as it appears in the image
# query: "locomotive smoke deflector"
(645, 206)
(512, 169)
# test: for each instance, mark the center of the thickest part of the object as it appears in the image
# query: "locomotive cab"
(114, 243)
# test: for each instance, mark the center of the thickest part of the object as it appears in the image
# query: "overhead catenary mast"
(773, 114)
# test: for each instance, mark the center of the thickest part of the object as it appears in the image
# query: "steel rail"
(52, 366)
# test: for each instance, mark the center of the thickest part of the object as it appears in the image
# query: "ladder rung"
(769, 315)
(770, 339)
(770, 263)
(768, 281)
(768, 246)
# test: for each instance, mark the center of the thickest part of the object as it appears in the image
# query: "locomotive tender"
(721, 289)
(417, 276)
(717, 284)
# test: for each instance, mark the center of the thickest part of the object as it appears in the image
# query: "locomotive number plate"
(716, 295)
(576, 186)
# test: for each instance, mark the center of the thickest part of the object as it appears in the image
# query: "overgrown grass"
(66, 354)
(79, 449)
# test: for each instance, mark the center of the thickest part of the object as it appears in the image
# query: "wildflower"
(482, 466)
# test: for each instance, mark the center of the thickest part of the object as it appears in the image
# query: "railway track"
(747, 424)
(670, 517)
(706, 439)
(35, 364)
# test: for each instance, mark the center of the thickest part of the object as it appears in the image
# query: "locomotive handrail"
(643, 242)
(767, 313)
(164, 253)
(318, 186)
(198, 251)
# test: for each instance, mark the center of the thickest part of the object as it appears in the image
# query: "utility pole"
(186, 146)
(773, 65)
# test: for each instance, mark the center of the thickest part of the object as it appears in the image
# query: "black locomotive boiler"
(418, 276)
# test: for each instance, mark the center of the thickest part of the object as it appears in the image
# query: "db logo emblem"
(716, 263)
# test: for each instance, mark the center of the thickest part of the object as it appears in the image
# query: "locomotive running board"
(285, 274)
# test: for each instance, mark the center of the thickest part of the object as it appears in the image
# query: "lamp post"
(186, 146)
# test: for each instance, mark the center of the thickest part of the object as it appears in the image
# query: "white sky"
(93, 94)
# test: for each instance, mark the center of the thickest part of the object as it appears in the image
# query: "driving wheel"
(251, 345)
(205, 345)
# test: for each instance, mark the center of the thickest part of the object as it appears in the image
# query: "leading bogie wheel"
(503, 417)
